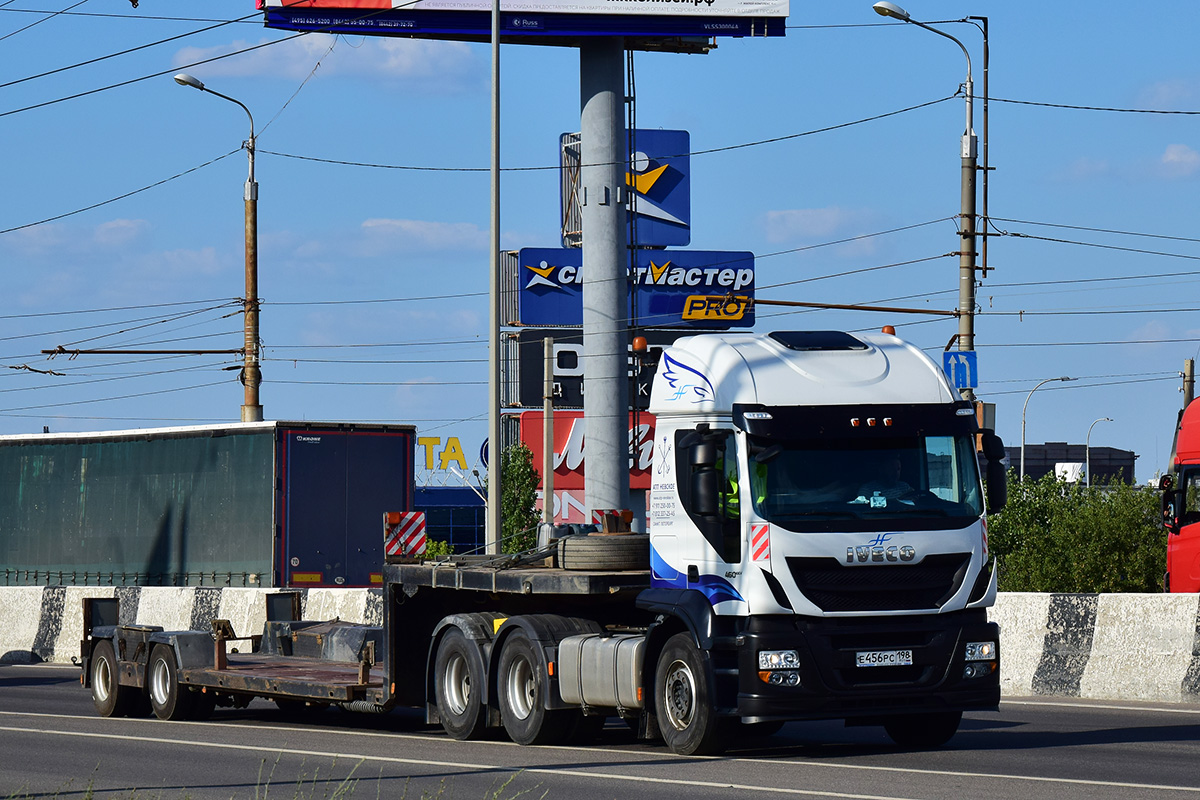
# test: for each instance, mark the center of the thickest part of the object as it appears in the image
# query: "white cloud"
(413, 234)
(1082, 169)
(807, 223)
(434, 66)
(182, 264)
(1179, 160)
(1169, 95)
(119, 231)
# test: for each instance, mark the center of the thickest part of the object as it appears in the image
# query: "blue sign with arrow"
(960, 368)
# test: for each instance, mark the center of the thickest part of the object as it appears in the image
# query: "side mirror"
(1171, 501)
(997, 486)
(706, 491)
(992, 446)
(704, 454)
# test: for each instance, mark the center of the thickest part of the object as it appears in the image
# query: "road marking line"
(462, 766)
(550, 771)
(1096, 705)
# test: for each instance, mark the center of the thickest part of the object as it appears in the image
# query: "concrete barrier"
(45, 623)
(1112, 647)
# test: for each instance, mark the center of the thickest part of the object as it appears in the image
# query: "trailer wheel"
(686, 716)
(457, 685)
(108, 695)
(169, 700)
(923, 731)
(520, 685)
(613, 553)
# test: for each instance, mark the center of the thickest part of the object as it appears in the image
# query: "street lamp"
(251, 374)
(1023, 409)
(1087, 449)
(966, 251)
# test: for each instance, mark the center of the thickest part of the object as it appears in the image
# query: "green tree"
(518, 493)
(1066, 537)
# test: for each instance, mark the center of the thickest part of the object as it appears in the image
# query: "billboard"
(549, 284)
(536, 21)
(568, 367)
(659, 178)
(570, 428)
(669, 8)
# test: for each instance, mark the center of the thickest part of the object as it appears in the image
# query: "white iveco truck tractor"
(817, 549)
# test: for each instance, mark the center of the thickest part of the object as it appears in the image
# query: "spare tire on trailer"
(605, 553)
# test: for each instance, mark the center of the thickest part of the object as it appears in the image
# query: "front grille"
(832, 586)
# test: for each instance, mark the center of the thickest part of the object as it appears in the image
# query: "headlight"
(778, 659)
(981, 651)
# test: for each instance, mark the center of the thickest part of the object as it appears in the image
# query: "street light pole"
(1087, 449)
(966, 250)
(1024, 408)
(251, 374)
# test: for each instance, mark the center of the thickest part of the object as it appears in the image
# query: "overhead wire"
(51, 15)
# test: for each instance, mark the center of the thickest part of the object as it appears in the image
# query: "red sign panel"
(569, 430)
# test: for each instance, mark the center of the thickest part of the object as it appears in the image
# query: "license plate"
(883, 658)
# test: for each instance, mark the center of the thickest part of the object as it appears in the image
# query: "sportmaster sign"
(550, 284)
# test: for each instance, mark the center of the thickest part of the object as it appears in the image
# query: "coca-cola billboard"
(569, 431)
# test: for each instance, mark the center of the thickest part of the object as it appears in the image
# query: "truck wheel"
(630, 551)
(457, 683)
(519, 689)
(169, 700)
(109, 696)
(686, 716)
(923, 731)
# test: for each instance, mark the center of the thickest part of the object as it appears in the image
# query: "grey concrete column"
(605, 261)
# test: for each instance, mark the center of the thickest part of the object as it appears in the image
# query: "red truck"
(1181, 506)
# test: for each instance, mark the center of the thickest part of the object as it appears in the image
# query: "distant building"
(1108, 463)
(453, 514)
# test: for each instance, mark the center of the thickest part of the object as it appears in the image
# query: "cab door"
(1183, 548)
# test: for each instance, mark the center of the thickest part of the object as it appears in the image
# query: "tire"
(169, 700)
(614, 553)
(108, 695)
(520, 686)
(457, 686)
(923, 731)
(684, 700)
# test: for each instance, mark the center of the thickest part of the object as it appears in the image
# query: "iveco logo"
(865, 552)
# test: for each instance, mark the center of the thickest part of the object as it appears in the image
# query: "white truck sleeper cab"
(820, 492)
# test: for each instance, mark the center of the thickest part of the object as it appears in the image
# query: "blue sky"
(170, 258)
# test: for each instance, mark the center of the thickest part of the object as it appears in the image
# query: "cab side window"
(1190, 513)
(706, 463)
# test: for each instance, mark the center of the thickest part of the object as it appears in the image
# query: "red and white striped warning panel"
(760, 542)
(404, 533)
(598, 514)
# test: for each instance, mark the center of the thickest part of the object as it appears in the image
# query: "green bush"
(518, 493)
(434, 549)
(1067, 537)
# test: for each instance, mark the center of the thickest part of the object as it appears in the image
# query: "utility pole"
(1189, 382)
(605, 260)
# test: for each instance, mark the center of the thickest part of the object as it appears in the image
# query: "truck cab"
(1181, 506)
(821, 492)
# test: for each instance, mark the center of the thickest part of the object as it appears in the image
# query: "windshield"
(903, 483)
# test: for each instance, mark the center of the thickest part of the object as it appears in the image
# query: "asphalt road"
(53, 745)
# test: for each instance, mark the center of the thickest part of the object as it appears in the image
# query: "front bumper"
(832, 686)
